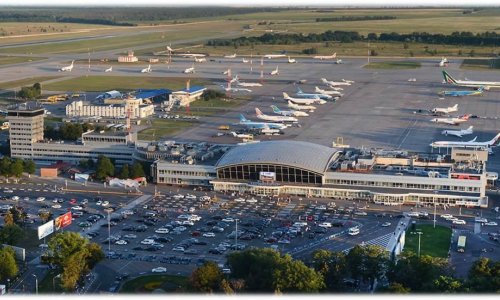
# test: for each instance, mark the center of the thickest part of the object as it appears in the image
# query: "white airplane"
(147, 70)
(325, 92)
(279, 119)
(292, 105)
(300, 93)
(469, 144)
(452, 120)
(248, 84)
(235, 90)
(459, 133)
(289, 113)
(304, 101)
(226, 72)
(443, 62)
(242, 136)
(269, 131)
(67, 68)
(200, 60)
(275, 71)
(230, 56)
(110, 69)
(323, 57)
(445, 111)
(260, 125)
(245, 61)
(271, 56)
(291, 60)
(469, 83)
(347, 81)
(190, 55)
(334, 83)
(190, 70)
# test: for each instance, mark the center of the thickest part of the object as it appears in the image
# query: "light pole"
(419, 234)
(36, 284)
(109, 233)
(54, 282)
(236, 234)
(434, 214)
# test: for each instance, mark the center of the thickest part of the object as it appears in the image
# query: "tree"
(124, 172)
(104, 167)
(29, 167)
(397, 288)
(206, 278)
(45, 216)
(333, 267)
(293, 276)
(8, 266)
(17, 168)
(8, 218)
(18, 215)
(137, 170)
(448, 284)
(11, 234)
(5, 163)
(484, 276)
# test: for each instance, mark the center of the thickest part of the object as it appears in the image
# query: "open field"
(146, 284)
(26, 81)
(434, 241)
(8, 60)
(14, 28)
(211, 107)
(106, 83)
(397, 65)
(481, 64)
(161, 128)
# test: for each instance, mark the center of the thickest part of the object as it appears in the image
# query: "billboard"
(20, 252)
(81, 177)
(63, 221)
(267, 176)
(45, 229)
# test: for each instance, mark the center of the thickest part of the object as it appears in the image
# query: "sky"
(252, 3)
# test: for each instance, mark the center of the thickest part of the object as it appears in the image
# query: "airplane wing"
(455, 134)
(473, 140)
(450, 122)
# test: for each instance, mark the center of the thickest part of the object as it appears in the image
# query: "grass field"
(434, 241)
(147, 284)
(481, 64)
(14, 28)
(26, 82)
(106, 83)
(211, 107)
(397, 65)
(8, 60)
(163, 127)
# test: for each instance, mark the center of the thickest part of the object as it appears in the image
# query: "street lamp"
(419, 234)
(54, 282)
(434, 214)
(36, 283)
(109, 232)
(236, 234)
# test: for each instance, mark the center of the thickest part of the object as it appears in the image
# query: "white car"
(159, 270)
(413, 214)
(162, 230)
(40, 199)
(251, 200)
(26, 198)
(8, 191)
(191, 209)
(361, 213)
(239, 200)
(56, 206)
(446, 216)
(105, 203)
(99, 203)
(15, 198)
(461, 222)
(325, 225)
(209, 234)
(147, 242)
(130, 236)
(189, 223)
(77, 207)
(178, 196)
(228, 220)
(178, 248)
(190, 197)
(121, 242)
(127, 212)
(491, 223)
(321, 207)
(386, 224)
(194, 218)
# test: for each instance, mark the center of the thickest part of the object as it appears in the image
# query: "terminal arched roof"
(304, 155)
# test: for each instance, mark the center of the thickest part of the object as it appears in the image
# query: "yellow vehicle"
(55, 98)
(224, 127)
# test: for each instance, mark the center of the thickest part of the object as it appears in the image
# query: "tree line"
(268, 271)
(106, 168)
(355, 18)
(15, 167)
(69, 131)
(456, 38)
(31, 92)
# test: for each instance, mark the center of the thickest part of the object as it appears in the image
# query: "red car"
(72, 201)
(195, 233)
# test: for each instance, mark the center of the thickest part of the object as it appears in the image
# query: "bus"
(461, 243)
(353, 231)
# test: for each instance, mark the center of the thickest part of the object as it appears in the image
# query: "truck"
(461, 243)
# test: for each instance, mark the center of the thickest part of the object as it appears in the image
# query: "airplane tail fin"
(473, 140)
(470, 128)
(299, 90)
(494, 140)
(275, 109)
(317, 89)
(285, 95)
(455, 107)
(448, 78)
(258, 112)
(233, 133)
(72, 62)
(334, 55)
(324, 80)
(480, 89)
(242, 118)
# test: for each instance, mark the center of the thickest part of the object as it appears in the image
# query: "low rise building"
(113, 108)
(129, 58)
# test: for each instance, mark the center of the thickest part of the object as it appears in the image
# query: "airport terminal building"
(311, 170)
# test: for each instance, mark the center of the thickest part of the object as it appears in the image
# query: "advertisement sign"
(63, 221)
(45, 229)
(81, 177)
(267, 176)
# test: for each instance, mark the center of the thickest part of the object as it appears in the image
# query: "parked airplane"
(305, 101)
(147, 70)
(275, 71)
(443, 62)
(190, 70)
(470, 83)
(300, 93)
(323, 57)
(288, 113)
(334, 83)
(260, 125)
(452, 120)
(459, 133)
(469, 144)
(200, 60)
(245, 84)
(279, 119)
(348, 81)
(230, 56)
(110, 69)
(291, 60)
(268, 131)
(245, 61)
(242, 136)
(67, 68)
(445, 111)
(292, 105)
(227, 72)
(477, 92)
(190, 55)
(331, 93)
(235, 90)
(270, 56)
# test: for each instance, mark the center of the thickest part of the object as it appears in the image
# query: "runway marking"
(408, 130)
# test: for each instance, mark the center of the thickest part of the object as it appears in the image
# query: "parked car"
(209, 234)
(159, 270)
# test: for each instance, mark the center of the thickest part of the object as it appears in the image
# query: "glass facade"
(251, 172)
